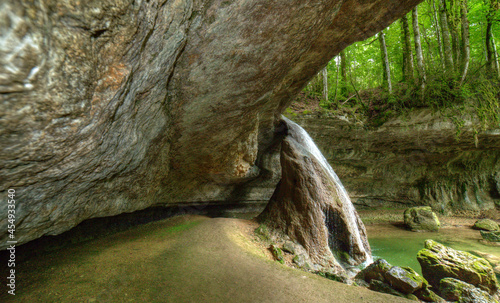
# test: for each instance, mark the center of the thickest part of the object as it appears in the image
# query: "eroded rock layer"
(116, 105)
(414, 159)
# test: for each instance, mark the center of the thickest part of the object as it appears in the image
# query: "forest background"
(443, 55)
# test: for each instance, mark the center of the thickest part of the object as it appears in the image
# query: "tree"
(465, 39)
(385, 62)
(418, 51)
(438, 33)
(324, 72)
(343, 73)
(445, 33)
(407, 53)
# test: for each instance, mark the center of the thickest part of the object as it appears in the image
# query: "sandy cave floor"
(181, 259)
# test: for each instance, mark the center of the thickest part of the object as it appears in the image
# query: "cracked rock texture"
(411, 160)
(115, 105)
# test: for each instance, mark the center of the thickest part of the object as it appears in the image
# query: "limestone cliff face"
(116, 105)
(411, 160)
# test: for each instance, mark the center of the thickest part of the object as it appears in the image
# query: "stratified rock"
(405, 280)
(421, 219)
(411, 159)
(439, 262)
(113, 106)
(311, 206)
(491, 236)
(461, 292)
(486, 224)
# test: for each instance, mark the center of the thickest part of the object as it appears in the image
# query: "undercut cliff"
(117, 105)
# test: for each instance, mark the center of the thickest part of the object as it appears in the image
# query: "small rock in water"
(459, 291)
(421, 219)
(491, 236)
(486, 224)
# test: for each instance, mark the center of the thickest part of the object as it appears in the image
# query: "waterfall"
(302, 137)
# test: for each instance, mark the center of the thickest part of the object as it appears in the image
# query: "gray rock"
(405, 280)
(459, 291)
(486, 224)
(375, 271)
(421, 219)
(290, 247)
(439, 262)
(379, 286)
(302, 261)
(112, 106)
(491, 236)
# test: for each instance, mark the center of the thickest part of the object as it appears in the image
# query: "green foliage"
(476, 97)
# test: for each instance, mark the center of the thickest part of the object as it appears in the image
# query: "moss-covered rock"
(427, 295)
(459, 291)
(375, 271)
(405, 280)
(439, 262)
(421, 219)
(491, 236)
(486, 224)
(277, 253)
(379, 286)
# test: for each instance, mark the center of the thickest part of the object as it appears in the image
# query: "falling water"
(302, 137)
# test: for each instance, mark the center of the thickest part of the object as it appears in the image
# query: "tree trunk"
(407, 53)
(325, 84)
(465, 39)
(343, 73)
(385, 62)
(489, 45)
(438, 33)
(448, 52)
(418, 51)
(495, 53)
(337, 59)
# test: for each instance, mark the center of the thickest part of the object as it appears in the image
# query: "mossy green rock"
(439, 262)
(421, 219)
(375, 271)
(492, 236)
(277, 253)
(486, 224)
(379, 286)
(427, 295)
(405, 280)
(459, 291)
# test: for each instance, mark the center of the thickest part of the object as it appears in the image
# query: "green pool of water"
(399, 247)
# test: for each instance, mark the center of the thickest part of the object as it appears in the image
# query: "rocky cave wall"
(112, 106)
(414, 159)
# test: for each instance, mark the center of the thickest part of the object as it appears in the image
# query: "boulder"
(405, 280)
(491, 236)
(486, 224)
(421, 219)
(459, 291)
(379, 286)
(375, 271)
(427, 295)
(439, 262)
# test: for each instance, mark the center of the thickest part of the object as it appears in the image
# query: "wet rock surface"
(439, 262)
(421, 219)
(311, 207)
(117, 105)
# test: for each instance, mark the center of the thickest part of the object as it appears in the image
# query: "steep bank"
(413, 159)
(183, 259)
